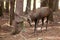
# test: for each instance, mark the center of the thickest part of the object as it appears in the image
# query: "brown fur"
(41, 13)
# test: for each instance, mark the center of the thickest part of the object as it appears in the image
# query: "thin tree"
(1, 8)
(44, 3)
(7, 6)
(34, 5)
(55, 5)
(12, 2)
(51, 4)
(28, 7)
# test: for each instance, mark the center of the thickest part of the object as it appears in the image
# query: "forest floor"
(52, 33)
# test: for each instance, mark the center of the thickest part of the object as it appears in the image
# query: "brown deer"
(41, 13)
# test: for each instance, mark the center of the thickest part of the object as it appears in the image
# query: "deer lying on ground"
(41, 13)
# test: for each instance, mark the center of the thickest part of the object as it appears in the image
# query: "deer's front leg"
(35, 26)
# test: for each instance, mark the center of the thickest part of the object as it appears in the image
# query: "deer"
(40, 14)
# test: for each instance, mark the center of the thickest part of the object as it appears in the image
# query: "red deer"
(41, 13)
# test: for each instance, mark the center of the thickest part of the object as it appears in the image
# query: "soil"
(52, 33)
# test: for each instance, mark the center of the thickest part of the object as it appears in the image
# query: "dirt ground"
(52, 33)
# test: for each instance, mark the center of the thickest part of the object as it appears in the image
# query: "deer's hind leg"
(46, 23)
(42, 23)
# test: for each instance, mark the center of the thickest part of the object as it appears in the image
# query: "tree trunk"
(11, 11)
(44, 3)
(1, 8)
(34, 5)
(51, 4)
(28, 7)
(55, 5)
(7, 6)
(18, 14)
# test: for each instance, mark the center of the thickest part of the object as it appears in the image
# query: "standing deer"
(41, 13)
